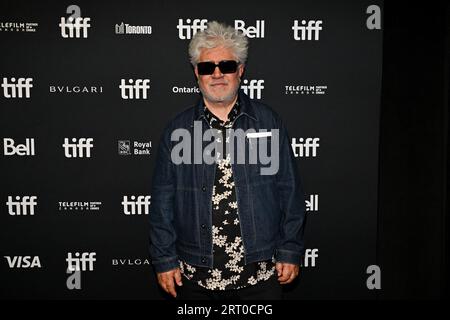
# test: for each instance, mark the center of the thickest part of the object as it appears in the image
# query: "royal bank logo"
(11, 149)
(305, 147)
(125, 28)
(134, 89)
(79, 206)
(137, 148)
(256, 31)
(305, 90)
(17, 88)
(136, 205)
(189, 27)
(21, 206)
(307, 30)
(18, 26)
(253, 88)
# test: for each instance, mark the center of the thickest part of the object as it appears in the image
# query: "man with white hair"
(226, 230)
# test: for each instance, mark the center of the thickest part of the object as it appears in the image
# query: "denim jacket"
(271, 208)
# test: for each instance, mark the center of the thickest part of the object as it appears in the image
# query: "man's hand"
(287, 272)
(166, 281)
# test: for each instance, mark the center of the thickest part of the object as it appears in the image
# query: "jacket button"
(203, 188)
(203, 260)
(203, 226)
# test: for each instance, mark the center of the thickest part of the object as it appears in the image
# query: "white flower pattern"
(229, 269)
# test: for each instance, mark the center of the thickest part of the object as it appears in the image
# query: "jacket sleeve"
(162, 232)
(290, 247)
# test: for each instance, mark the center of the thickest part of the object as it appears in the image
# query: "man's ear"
(241, 70)
(196, 72)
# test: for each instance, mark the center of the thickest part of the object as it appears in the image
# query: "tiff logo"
(74, 24)
(86, 262)
(188, 30)
(253, 88)
(305, 147)
(306, 32)
(21, 207)
(133, 91)
(250, 32)
(310, 258)
(133, 206)
(27, 149)
(79, 149)
(20, 89)
(23, 262)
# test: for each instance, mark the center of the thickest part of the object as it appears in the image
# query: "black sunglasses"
(225, 66)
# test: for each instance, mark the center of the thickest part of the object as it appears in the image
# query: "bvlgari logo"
(75, 89)
(130, 262)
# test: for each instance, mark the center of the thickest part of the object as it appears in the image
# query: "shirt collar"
(214, 121)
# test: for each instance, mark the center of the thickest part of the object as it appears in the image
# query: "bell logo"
(26, 149)
(307, 30)
(79, 149)
(313, 203)
(133, 206)
(188, 30)
(253, 88)
(17, 88)
(23, 262)
(21, 207)
(134, 91)
(250, 32)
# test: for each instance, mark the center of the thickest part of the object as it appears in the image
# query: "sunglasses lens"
(205, 68)
(229, 66)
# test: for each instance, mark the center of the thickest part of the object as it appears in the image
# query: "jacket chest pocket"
(263, 160)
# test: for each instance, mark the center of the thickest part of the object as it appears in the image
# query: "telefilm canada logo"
(78, 206)
(18, 26)
(136, 148)
(306, 89)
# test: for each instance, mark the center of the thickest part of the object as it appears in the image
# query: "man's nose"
(217, 73)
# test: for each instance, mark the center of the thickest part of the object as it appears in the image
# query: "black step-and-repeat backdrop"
(86, 89)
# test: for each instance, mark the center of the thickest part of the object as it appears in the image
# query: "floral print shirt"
(229, 270)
